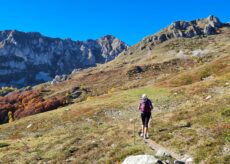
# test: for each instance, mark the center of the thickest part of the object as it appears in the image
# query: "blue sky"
(129, 20)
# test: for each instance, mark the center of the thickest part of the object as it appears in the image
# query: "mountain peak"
(108, 36)
(213, 18)
(44, 57)
(215, 21)
(200, 23)
(112, 41)
(185, 29)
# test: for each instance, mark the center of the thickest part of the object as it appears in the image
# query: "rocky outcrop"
(58, 79)
(31, 58)
(184, 29)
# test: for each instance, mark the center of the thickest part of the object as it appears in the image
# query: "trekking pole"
(133, 121)
(133, 132)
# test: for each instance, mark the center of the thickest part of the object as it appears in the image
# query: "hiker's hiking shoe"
(141, 134)
(146, 136)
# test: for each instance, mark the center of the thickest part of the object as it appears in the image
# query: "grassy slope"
(99, 129)
(199, 126)
(95, 130)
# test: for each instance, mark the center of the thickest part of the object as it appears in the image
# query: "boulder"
(141, 159)
(184, 124)
(162, 153)
(208, 78)
(76, 94)
(135, 70)
(189, 161)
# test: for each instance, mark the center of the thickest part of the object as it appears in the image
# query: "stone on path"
(140, 159)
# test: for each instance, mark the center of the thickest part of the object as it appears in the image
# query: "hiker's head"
(144, 97)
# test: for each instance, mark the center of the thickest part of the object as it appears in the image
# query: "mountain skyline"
(31, 58)
(81, 20)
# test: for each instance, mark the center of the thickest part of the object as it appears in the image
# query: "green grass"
(207, 149)
(99, 139)
(126, 98)
(227, 137)
(208, 133)
(4, 145)
(226, 112)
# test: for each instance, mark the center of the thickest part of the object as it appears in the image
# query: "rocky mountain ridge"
(183, 29)
(31, 58)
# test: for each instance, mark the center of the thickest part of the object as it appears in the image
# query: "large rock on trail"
(140, 159)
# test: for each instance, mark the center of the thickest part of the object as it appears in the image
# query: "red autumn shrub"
(27, 96)
(12, 98)
(26, 103)
(27, 111)
(52, 103)
(39, 107)
(6, 106)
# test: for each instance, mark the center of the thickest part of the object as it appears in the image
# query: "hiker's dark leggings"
(145, 119)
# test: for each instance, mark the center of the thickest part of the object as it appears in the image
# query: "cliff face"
(30, 58)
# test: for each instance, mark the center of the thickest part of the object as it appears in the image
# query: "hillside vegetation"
(188, 79)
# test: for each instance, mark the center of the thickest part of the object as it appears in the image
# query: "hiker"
(145, 108)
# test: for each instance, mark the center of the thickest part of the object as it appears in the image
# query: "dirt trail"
(167, 152)
(153, 145)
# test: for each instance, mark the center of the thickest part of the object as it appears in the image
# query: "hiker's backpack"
(145, 106)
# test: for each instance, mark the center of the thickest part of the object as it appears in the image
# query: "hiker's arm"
(151, 105)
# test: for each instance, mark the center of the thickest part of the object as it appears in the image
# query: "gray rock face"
(31, 58)
(214, 21)
(184, 29)
(209, 30)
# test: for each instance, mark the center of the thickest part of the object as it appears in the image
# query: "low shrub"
(227, 138)
(4, 145)
(205, 73)
(226, 112)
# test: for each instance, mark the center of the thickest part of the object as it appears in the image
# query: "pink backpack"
(145, 106)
